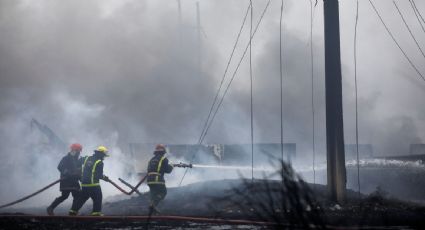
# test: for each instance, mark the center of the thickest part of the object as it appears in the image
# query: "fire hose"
(57, 181)
(134, 189)
(130, 186)
(31, 195)
(135, 219)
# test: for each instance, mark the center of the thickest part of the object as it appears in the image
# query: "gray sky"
(112, 72)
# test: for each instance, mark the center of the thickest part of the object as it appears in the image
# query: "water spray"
(224, 167)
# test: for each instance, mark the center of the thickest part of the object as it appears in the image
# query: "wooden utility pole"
(334, 118)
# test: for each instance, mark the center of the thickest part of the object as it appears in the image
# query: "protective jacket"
(157, 166)
(70, 169)
(92, 171)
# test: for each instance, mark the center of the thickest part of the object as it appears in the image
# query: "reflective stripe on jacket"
(91, 172)
(157, 166)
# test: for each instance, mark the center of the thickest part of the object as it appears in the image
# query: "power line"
(281, 78)
(417, 10)
(395, 41)
(252, 105)
(355, 85)
(312, 89)
(408, 28)
(224, 75)
(417, 16)
(205, 128)
(227, 88)
(236, 70)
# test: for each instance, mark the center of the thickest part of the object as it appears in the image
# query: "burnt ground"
(64, 222)
(214, 199)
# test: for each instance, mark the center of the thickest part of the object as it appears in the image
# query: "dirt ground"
(376, 210)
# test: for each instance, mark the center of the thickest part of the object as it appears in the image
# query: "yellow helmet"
(102, 149)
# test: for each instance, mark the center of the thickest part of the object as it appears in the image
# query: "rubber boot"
(50, 211)
(153, 210)
(72, 213)
(96, 214)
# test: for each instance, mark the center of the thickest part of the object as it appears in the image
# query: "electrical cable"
(356, 94)
(213, 105)
(417, 10)
(417, 16)
(252, 105)
(228, 86)
(281, 79)
(408, 28)
(224, 75)
(236, 70)
(312, 89)
(396, 42)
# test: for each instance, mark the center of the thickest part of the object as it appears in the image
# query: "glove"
(105, 178)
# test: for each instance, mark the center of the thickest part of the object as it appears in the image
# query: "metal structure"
(53, 139)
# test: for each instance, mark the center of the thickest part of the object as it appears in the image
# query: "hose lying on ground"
(133, 219)
(29, 196)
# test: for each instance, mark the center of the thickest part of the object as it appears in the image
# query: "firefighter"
(70, 172)
(91, 173)
(157, 166)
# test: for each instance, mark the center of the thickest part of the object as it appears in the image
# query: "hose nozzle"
(182, 165)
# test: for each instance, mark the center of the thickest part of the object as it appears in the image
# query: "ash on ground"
(226, 199)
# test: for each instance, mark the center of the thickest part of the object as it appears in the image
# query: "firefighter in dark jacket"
(157, 166)
(70, 169)
(91, 173)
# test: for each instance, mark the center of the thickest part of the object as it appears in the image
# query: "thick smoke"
(115, 72)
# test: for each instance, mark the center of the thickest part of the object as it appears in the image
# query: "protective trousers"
(63, 197)
(157, 193)
(95, 193)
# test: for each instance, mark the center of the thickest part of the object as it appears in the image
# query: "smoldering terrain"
(217, 199)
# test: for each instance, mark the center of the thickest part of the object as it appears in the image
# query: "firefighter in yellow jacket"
(91, 173)
(157, 167)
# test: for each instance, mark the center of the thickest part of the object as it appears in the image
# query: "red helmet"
(160, 147)
(76, 147)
